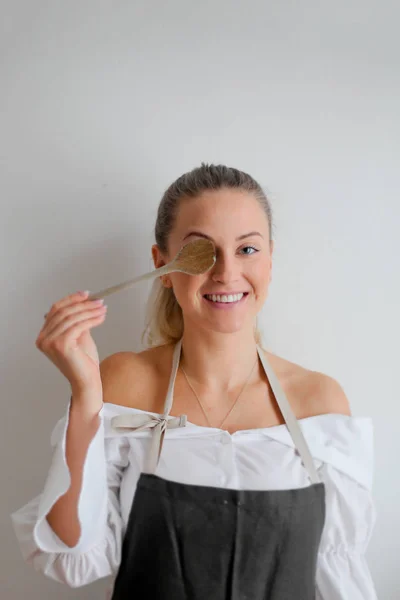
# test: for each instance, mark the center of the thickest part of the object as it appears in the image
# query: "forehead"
(221, 212)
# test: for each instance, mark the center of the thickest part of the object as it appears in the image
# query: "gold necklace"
(233, 405)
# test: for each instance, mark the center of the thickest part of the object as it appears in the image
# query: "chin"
(228, 328)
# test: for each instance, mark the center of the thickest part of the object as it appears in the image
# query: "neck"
(218, 362)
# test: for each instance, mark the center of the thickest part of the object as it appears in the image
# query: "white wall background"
(104, 104)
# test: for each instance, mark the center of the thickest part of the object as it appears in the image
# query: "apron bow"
(157, 423)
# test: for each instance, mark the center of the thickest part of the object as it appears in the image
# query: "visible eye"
(251, 248)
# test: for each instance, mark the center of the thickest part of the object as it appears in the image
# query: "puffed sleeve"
(346, 469)
(342, 449)
(98, 550)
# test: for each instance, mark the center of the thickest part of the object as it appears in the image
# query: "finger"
(57, 317)
(77, 297)
(76, 327)
(73, 313)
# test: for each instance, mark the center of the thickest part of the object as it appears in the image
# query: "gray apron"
(196, 542)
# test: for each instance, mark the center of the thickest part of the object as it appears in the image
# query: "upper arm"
(114, 371)
(328, 395)
(126, 380)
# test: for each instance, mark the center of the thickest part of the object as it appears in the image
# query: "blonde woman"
(204, 467)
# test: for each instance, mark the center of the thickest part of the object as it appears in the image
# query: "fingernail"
(85, 293)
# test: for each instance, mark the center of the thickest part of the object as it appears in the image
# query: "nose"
(226, 269)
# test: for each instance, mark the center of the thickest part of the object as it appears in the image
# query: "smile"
(225, 301)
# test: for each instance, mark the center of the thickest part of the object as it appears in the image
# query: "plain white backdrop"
(104, 104)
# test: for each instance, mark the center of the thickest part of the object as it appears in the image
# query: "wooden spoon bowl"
(194, 258)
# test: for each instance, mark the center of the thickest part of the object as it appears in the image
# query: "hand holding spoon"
(195, 258)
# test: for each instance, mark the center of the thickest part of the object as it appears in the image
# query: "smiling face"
(238, 226)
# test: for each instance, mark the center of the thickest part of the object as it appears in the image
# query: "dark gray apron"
(194, 542)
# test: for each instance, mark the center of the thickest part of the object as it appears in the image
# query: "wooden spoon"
(195, 258)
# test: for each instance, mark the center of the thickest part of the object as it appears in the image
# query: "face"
(238, 226)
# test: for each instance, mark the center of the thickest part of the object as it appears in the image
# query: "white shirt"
(341, 447)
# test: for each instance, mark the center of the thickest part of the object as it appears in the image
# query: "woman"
(205, 466)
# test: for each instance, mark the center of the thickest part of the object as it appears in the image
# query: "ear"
(158, 259)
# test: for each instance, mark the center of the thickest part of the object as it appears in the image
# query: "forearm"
(83, 424)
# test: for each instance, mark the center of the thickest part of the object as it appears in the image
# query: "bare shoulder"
(133, 379)
(327, 395)
(314, 393)
(115, 370)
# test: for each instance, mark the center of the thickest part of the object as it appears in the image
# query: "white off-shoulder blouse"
(341, 447)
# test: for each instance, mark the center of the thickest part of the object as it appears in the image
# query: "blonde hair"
(164, 317)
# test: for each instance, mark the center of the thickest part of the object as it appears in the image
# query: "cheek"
(260, 279)
(260, 274)
(185, 286)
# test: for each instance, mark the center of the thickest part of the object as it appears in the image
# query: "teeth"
(223, 298)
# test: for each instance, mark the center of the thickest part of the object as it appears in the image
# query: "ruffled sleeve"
(347, 471)
(98, 550)
(342, 449)
(345, 452)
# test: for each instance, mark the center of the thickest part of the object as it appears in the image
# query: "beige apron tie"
(140, 422)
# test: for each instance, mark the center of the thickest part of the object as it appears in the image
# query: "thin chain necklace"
(233, 405)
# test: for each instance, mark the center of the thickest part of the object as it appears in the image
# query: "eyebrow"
(207, 237)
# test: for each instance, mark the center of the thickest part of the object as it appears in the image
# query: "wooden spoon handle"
(127, 284)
